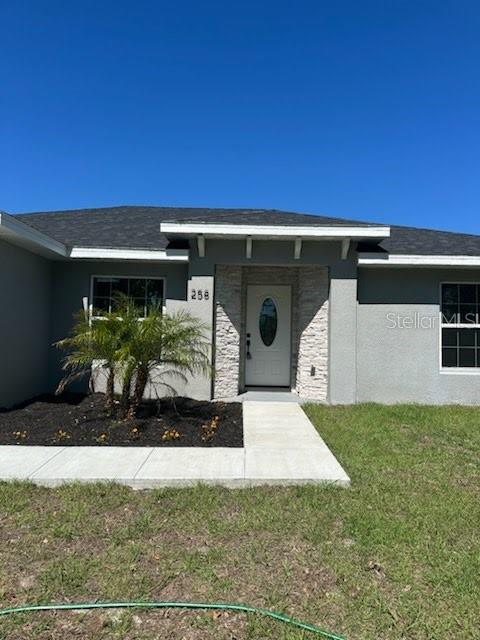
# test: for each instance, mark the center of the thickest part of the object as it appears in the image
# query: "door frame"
(243, 341)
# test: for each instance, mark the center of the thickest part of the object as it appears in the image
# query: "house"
(337, 310)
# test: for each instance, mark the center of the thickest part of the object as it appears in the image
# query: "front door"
(268, 336)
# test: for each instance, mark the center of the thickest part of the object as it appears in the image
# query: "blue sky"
(367, 110)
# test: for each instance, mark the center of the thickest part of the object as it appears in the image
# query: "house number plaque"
(200, 294)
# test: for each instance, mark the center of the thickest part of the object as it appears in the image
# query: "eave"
(16, 232)
(414, 260)
(291, 232)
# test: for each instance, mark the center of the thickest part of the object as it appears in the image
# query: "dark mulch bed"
(82, 420)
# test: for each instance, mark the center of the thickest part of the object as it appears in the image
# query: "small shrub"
(62, 435)
(171, 434)
(209, 430)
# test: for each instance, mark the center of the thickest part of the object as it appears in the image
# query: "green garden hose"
(173, 605)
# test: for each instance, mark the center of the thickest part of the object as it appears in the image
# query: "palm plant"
(88, 342)
(161, 347)
(135, 350)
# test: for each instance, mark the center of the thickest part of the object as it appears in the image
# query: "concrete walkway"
(281, 447)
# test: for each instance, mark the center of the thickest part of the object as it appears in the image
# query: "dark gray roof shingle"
(424, 242)
(138, 227)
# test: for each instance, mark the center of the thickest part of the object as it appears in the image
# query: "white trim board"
(274, 231)
(394, 260)
(150, 255)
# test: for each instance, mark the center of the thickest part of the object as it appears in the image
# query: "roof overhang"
(413, 260)
(21, 234)
(149, 255)
(273, 232)
(18, 233)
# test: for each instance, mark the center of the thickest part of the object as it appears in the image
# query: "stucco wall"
(342, 329)
(368, 360)
(25, 294)
(397, 364)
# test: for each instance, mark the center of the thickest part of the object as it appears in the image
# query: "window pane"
(449, 338)
(449, 294)
(468, 313)
(154, 292)
(467, 357)
(114, 303)
(467, 337)
(450, 314)
(120, 285)
(468, 293)
(101, 304)
(139, 304)
(449, 357)
(101, 287)
(145, 292)
(268, 321)
(137, 288)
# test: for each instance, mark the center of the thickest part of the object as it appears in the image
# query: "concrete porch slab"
(268, 395)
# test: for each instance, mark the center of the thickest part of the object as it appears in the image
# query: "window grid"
(146, 292)
(460, 325)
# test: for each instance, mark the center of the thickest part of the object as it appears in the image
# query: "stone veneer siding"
(312, 312)
(309, 326)
(228, 311)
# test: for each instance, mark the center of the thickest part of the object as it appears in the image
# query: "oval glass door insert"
(268, 321)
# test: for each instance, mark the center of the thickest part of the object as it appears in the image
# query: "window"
(146, 292)
(460, 319)
(268, 322)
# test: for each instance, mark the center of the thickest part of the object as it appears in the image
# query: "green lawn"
(395, 556)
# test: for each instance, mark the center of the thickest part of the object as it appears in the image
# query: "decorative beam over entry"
(201, 246)
(345, 248)
(248, 247)
(298, 248)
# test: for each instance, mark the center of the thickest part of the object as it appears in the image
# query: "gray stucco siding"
(25, 293)
(397, 362)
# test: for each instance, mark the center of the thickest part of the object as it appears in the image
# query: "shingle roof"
(138, 227)
(416, 241)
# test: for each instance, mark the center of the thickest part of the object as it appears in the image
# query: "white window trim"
(129, 277)
(454, 371)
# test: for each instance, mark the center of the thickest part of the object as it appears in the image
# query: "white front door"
(268, 336)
